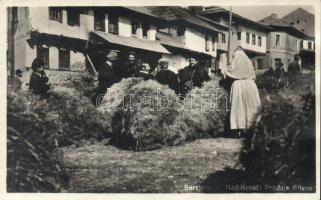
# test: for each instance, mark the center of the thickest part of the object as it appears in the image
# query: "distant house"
(61, 36)
(304, 21)
(187, 35)
(284, 41)
(248, 34)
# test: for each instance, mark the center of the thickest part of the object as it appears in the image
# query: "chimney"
(195, 9)
(274, 15)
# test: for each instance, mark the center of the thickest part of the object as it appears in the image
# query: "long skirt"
(245, 102)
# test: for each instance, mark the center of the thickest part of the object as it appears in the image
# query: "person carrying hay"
(244, 95)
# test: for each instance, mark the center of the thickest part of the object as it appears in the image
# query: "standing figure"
(191, 76)
(17, 82)
(165, 76)
(38, 80)
(106, 75)
(130, 68)
(244, 96)
(294, 66)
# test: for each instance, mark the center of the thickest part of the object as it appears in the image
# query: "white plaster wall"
(39, 17)
(124, 26)
(152, 32)
(195, 40)
(53, 58)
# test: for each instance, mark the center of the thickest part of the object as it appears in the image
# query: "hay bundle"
(282, 150)
(203, 111)
(142, 123)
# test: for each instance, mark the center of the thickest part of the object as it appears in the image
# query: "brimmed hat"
(112, 54)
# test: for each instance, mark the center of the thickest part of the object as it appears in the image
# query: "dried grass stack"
(282, 151)
(203, 112)
(142, 125)
(143, 122)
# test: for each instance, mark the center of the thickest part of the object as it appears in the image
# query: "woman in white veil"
(244, 96)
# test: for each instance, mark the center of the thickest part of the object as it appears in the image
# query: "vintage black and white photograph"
(214, 99)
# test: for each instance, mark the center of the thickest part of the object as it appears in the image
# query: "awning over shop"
(148, 45)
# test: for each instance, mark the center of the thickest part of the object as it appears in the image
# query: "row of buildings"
(63, 36)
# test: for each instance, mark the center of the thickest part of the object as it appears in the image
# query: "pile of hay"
(36, 127)
(282, 150)
(203, 112)
(149, 108)
(32, 136)
(142, 124)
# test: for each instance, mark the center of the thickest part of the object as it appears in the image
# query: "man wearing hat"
(165, 76)
(106, 75)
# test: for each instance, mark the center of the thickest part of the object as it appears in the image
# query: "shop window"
(43, 54)
(64, 59)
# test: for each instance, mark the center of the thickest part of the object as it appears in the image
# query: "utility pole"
(11, 14)
(229, 36)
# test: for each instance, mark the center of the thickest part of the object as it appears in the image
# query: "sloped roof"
(218, 10)
(175, 13)
(301, 14)
(273, 20)
(141, 10)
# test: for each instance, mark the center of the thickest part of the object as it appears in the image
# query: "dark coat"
(167, 77)
(127, 70)
(294, 67)
(190, 77)
(38, 84)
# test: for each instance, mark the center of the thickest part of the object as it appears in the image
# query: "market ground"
(186, 168)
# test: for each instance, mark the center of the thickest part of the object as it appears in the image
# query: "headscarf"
(241, 66)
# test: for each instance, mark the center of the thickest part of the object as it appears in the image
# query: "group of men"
(111, 70)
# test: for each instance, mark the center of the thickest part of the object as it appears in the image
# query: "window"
(301, 44)
(260, 64)
(64, 59)
(55, 13)
(277, 40)
(292, 23)
(145, 29)
(247, 38)
(213, 42)
(298, 21)
(238, 35)
(72, 17)
(207, 46)
(259, 41)
(180, 31)
(253, 39)
(43, 54)
(309, 45)
(223, 38)
(99, 18)
(113, 24)
(135, 26)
